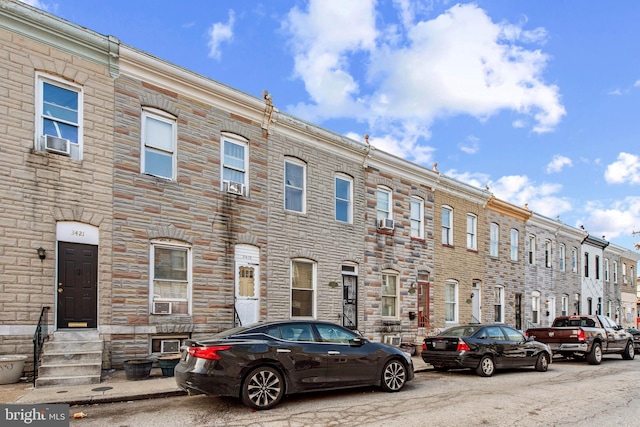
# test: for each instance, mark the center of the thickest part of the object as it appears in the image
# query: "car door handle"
(283, 350)
(333, 353)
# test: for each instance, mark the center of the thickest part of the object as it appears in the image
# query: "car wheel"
(486, 367)
(263, 388)
(629, 352)
(595, 355)
(394, 376)
(542, 364)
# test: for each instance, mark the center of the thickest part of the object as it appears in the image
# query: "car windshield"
(460, 331)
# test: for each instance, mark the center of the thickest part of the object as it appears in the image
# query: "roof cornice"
(508, 209)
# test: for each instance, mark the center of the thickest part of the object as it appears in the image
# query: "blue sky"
(536, 99)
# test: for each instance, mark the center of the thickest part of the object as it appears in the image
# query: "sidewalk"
(114, 388)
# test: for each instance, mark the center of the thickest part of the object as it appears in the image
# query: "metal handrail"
(236, 317)
(39, 337)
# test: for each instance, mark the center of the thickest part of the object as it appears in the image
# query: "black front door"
(77, 285)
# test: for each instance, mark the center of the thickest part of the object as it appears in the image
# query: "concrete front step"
(67, 381)
(69, 370)
(73, 346)
(51, 358)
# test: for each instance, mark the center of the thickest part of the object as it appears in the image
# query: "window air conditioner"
(392, 340)
(170, 346)
(57, 145)
(386, 224)
(232, 187)
(161, 308)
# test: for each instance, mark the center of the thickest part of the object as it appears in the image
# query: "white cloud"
(619, 218)
(36, 3)
(521, 191)
(460, 63)
(220, 33)
(471, 145)
(637, 83)
(478, 179)
(558, 163)
(625, 170)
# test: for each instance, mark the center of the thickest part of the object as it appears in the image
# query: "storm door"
(247, 304)
(77, 285)
(518, 309)
(349, 297)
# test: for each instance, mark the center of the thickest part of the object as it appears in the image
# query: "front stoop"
(71, 358)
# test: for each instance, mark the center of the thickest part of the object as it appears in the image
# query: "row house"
(167, 206)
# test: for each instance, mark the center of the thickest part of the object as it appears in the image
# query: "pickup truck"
(585, 337)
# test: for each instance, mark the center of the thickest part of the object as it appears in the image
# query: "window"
(532, 249)
(158, 144)
(59, 112)
(562, 253)
(451, 301)
(417, 218)
(574, 260)
(547, 253)
(565, 305)
(294, 186)
(447, 225)
(606, 269)
(535, 307)
(171, 275)
(514, 244)
(498, 304)
(609, 306)
(235, 159)
(472, 232)
(586, 264)
(303, 284)
(390, 294)
(597, 262)
(494, 239)
(383, 206)
(624, 273)
(615, 271)
(343, 199)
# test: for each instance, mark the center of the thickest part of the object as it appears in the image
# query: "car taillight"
(210, 353)
(581, 335)
(462, 346)
(424, 345)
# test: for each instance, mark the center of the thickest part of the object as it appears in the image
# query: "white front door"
(247, 273)
(475, 305)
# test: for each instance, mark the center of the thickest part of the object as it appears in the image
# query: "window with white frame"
(532, 249)
(514, 244)
(562, 253)
(344, 195)
(547, 253)
(294, 185)
(417, 218)
(586, 264)
(472, 232)
(303, 285)
(597, 266)
(235, 159)
(447, 225)
(389, 293)
(535, 307)
(615, 271)
(565, 305)
(171, 275)
(494, 239)
(383, 204)
(498, 304)
(624, 273)
(606, 269)
(574, 260)
(451, 301)
(59, 114)
(158, 144)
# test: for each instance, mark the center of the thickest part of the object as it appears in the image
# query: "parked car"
(586, 336)
(636, 337)
(485, 348)
(260, 364)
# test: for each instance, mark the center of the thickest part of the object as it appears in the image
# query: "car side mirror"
(357, 341)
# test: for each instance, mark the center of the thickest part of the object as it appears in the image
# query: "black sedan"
(636, 337)
(484, 348)
(262, 363)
